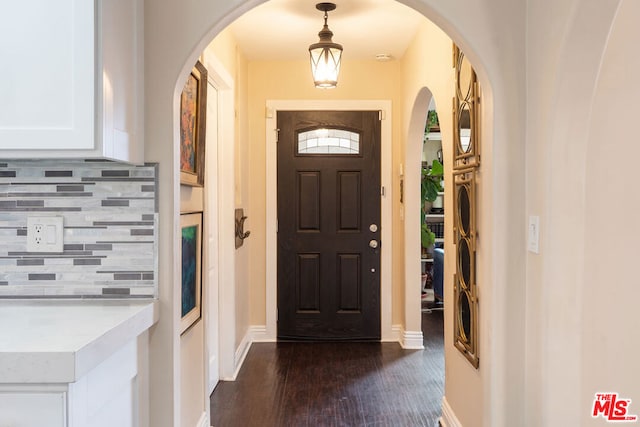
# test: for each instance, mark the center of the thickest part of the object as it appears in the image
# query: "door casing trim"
(386, 222)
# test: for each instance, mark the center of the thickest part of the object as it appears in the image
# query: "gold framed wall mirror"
(465, 108)
(466, 165)
(465, 279)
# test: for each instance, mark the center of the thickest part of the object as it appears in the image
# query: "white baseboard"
(412, 340)
(241, 353)
(395, 335)
(203, 421)
(259, 334)
(448, 418)
(255, 333)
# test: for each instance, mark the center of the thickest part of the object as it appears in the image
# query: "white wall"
(609, 319)
(193, 399)
(494, 395)
(424, 75)
(207, 340)
(580, 162)
(228, 68)
(192, 350)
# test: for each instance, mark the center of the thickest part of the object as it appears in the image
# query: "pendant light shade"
(325, 55)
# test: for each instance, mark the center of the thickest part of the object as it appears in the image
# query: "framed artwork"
(193, 115)
(191, 287)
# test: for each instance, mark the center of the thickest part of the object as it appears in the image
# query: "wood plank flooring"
(336, 384)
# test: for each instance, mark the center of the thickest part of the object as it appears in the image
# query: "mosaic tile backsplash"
(110, 229)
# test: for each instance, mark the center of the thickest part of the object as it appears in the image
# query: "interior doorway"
(432, 220)
(383, 108)
(220, 106)
(432, 236)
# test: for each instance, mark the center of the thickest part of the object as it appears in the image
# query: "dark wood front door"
(328, 225)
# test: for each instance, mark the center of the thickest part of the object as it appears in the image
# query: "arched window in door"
(328, 141)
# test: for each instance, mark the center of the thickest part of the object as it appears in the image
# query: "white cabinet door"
(108, 395)
(71, 79)
(32, 409)
(47, 75)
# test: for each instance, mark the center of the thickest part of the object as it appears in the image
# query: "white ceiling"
(284, 29)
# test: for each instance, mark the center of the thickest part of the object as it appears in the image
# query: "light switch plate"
(45, 234)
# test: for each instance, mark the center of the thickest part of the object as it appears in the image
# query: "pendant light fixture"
(325, 55)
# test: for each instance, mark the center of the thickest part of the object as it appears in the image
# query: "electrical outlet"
(45, 234)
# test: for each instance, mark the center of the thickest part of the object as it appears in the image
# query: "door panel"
(308, 283)
(309, 201)
(328, 195)
(349, 282)
(349, 201)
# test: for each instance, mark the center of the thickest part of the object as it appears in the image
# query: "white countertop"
(60, 341)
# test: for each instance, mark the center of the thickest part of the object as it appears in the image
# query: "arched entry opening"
(412, 208)
(167, 53)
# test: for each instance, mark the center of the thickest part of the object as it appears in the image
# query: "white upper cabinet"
(71, 79)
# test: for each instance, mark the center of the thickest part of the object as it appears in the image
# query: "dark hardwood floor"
(336, 384)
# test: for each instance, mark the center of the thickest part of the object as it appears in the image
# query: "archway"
(412, 221)
(171, 50)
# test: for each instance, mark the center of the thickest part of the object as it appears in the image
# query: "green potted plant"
(430, 186)
(427, 237)
(433, 124)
